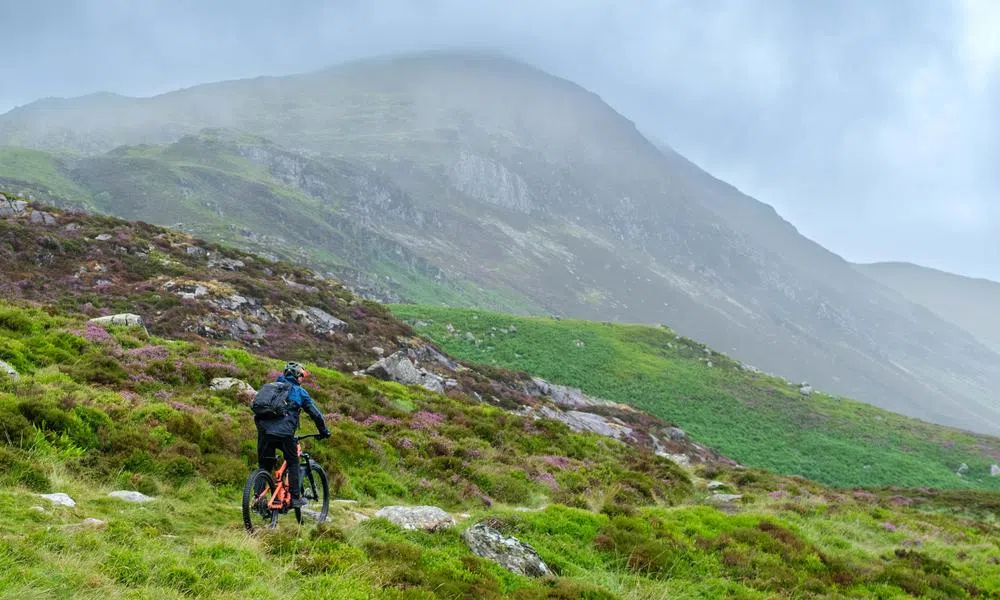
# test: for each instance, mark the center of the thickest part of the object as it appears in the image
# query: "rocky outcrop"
(121, 320)
(426, 518)
(509, 553)
(995, 471)
(8, 371)
(398, 367)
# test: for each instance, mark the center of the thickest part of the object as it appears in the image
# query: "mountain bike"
(266, 496)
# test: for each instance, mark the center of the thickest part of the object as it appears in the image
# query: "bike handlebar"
(305, 437)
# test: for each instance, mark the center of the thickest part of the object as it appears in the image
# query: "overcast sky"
(874, 127)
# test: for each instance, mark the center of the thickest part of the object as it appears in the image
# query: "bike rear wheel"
(256, 493)
(316, 492)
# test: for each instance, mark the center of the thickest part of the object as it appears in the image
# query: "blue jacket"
(298, 400)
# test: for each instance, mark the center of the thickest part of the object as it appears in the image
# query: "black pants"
(266, 445)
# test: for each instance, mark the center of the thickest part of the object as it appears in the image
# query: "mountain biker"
(279, 433)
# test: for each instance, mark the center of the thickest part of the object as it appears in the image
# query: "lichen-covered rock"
(510, 553)
(427, 518)
(121, 319)
(130, 496)
(8, 371)
(962, 469)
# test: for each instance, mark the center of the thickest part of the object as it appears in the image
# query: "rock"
(432, 382)
(130, 496)
(429, 354)
(10, 208)
(72, 227)
(9, 371)
(962, 469)
(378, 350)
(190, 292)
(60, 499)
(585, 421)
(227, 264)
(233, 302)
(40, 509)
(995, 471)
(805, 389)
(675, 433)
(103, 237)
(714, 485)
(42, 218)
(427, 518)
(195, 251)
(318, 320)
(94, 523)
(568, 397)
(221, 384)
(398, 367)
(296, 285)
(510, 553)
(725, 498)
(121, 319)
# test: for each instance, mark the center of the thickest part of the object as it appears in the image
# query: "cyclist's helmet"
(295, 370)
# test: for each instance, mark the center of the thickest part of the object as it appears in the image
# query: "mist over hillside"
(506, 188)
(969, 303)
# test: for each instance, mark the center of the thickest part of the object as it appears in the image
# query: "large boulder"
(510, 553)
(8, 371)
(427, 518)
(995, 471)
(398, 367)
(318, 320)
(121, 319)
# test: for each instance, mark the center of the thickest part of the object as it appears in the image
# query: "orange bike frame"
(281, 498)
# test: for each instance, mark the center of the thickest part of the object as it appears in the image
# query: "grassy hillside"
(100, 409)
(969, 303)
(753, 418)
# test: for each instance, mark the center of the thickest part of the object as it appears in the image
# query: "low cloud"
(872, 126)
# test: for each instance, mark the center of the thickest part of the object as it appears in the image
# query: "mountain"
(125, 447)
(472, 180)
(971, 304)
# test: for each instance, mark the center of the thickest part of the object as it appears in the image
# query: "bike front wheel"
(316, 493)
(256, 494)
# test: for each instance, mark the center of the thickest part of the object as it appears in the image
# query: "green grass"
(97, 410)
(40, 168)
(755, 419)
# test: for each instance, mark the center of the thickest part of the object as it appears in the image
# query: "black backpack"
(271, 401)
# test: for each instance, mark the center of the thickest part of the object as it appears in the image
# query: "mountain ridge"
(526, 194)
